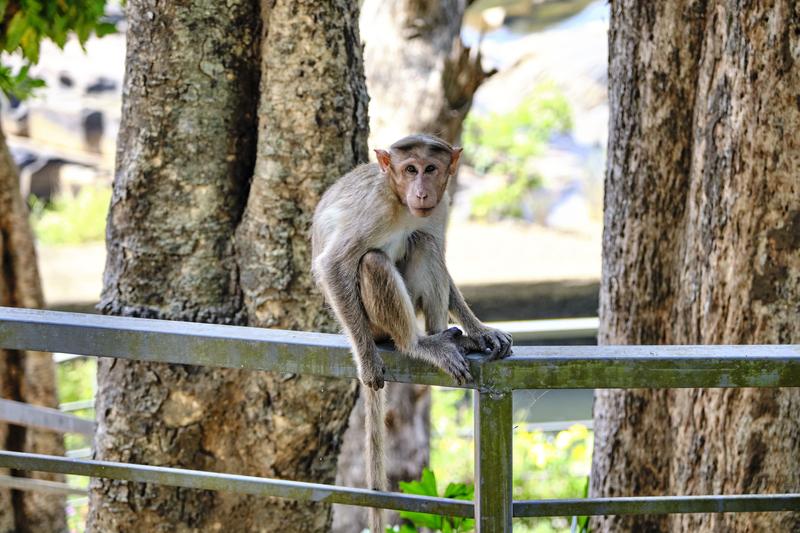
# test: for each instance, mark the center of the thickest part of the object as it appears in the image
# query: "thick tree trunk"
(312, 130)
(187, 147)
(701, 245)
(24, 376)
(421, 78)
(184, 156)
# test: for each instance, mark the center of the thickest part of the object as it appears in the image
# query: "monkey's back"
(342, 210)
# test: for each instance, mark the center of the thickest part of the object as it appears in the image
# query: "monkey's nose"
(422, 195)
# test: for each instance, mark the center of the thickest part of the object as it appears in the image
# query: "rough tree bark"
(24, 376)
(421, 78)
(312, 129)
(187, 148)
(701, 246)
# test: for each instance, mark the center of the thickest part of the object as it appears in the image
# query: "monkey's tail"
(376, 471)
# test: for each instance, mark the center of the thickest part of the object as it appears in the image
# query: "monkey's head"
(418, 168)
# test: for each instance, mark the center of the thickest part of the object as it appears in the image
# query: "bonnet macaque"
(378, 256)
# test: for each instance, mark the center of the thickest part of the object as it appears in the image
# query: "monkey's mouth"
(421, 211)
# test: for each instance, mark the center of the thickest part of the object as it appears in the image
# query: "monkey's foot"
(495, 344)
(371, 372)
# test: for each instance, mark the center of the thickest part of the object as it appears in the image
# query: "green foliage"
(546, 465)
(71, 220)
(507, 144)
(26, 23)
(505, 202)
(426, 486)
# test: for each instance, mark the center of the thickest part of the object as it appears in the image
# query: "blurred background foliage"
(25, 23)
(508, 143)
(74, 219)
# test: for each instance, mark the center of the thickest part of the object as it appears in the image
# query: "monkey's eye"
(429, 168)
(411, 169)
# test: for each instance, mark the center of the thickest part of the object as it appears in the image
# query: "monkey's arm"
(339, 283)
(496, 343)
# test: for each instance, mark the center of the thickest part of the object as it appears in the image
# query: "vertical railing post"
(493, 433)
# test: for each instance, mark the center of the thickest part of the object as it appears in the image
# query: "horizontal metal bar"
(362, 497)
(39, 485)
(522, 330)
(584, 367)
(79, 405)
(24, 414)
(532, 367)
(295, 490)
(658, 505)
(549, 330)
(198, 344)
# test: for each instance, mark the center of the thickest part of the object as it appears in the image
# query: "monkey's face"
(419, 178)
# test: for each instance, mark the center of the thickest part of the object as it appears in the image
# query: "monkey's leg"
(339, 282)
(389, 308)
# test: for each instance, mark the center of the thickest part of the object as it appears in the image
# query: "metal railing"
(531, 367)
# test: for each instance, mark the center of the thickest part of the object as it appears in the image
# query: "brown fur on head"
(418, 168)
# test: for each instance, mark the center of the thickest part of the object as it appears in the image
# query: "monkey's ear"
(455, 155)
(384, 159)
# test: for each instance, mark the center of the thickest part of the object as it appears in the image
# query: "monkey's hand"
(371, 370)
(445, 351)
(495, 344)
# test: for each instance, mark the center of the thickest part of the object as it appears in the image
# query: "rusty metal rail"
(531, 367)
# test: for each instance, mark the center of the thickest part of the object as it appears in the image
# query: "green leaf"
(423, 519)
(30, 45)
(459, 491)
(426, 486)
(58, 31)
(105, 28)
(16, 28)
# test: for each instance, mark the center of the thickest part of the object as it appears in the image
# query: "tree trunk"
(701, 246)
(185, 153)
(187, 147)
(312, 130)
(421, 78)
(24, 376)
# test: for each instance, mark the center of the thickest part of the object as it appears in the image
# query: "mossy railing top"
(532, 367)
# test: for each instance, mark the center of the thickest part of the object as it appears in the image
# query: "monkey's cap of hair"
(420, 139)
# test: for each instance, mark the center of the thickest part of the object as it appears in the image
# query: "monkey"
(378, 242)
